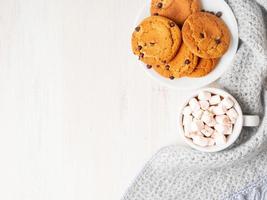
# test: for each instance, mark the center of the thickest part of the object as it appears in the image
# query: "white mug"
(242, 120)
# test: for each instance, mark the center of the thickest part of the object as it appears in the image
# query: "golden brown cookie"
(206, 35)
(156, 40)
(182, 64)
(204, 67)
(176, 10)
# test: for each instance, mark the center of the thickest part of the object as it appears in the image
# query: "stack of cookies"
(180, 40)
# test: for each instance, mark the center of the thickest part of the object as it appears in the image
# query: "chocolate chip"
(158, 66)
(202, 35)
(141, 55)
(159, 5)
(167, 67)
(164, 61)
(211, 12)
(149, 66)
(187, 62)
(139, 48)
(137, 29)
(156, 14)
(219, 14)
(171, 77)
(152, 43)
(218, 41)
(198, 49)
(202, 10)
(172, 24)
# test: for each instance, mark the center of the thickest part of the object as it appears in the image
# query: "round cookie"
(176, 10)
(182, 64)
(204, 67)
(156, 40)
(206, 35)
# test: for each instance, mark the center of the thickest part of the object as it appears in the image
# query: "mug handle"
(251, 120)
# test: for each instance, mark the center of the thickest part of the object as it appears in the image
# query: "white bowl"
(236, 128)
(225, 61)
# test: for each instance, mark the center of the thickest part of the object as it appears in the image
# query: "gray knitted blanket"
(237, 173)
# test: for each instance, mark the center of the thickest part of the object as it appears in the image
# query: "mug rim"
(237, 127)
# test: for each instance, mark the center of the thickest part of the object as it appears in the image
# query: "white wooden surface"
(78, 116)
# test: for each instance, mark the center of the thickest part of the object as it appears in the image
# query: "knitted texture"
(182, 173)
(255, 191)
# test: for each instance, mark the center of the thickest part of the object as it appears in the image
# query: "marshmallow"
(193, 103)
(223, 119)
(232, 114)
(204, 105)
(190, 134)
(211, 108)
(207, 117)
(204, 95)
(187, 132)
(197, 125)
(211, 141)
(212, 123)
(227, 102)
(198, 114)
(220, 128)
(200, 141)
(199, 134)
(187, 110)
(229, 131)
(187, 119)
(224, 129)
(219, 110)
(220, 139)
(216, 99)
(193, 134)
(207, 131)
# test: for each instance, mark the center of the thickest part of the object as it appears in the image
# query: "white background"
(78, 115)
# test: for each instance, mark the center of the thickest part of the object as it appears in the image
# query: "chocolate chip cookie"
(176, 10)
(206, 35)
(204, 67)
(156, 40)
